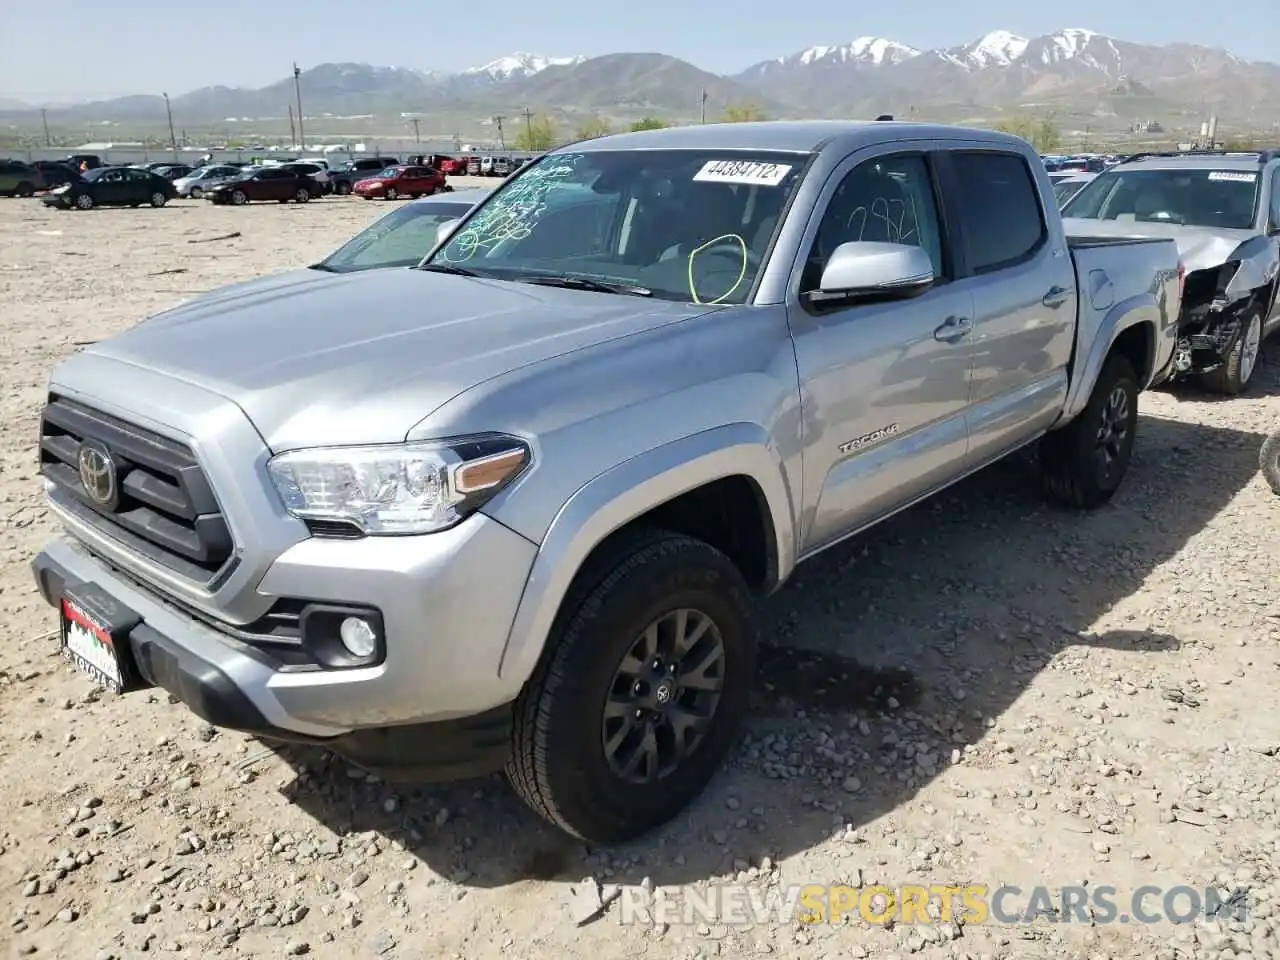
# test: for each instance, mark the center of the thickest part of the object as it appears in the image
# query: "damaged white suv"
(1223, 210)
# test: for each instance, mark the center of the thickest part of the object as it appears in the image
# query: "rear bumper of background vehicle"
(434, 708)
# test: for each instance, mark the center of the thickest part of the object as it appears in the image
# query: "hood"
(324, 359)
(1198, 247)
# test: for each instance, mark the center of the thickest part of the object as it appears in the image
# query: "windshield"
(387, 173)
(1225, 199)
(688, 225)
(400, 239)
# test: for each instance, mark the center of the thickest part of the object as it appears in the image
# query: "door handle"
(954, 330)
(1056, 297)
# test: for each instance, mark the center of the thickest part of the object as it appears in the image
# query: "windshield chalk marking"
(742, 272)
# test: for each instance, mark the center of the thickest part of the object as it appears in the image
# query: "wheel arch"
(674, 486)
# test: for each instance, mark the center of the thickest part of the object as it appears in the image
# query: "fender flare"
(608, 502)
(1124, 316)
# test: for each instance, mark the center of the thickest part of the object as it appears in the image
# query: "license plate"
(88, 643)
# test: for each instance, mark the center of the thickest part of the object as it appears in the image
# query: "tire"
(24, 189)
(1269, 461)
(84, 202)
(196, 193)
(158, 199)
(1080, 466)
(342, 189)
(1233, 376)
(446, 189)
(239, 198)
(559, 764)
(302, 196)
(391, 193)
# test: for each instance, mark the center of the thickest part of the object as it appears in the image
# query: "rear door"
(1016, 266)
(138, 186)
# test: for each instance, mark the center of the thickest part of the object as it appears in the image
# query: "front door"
(884, 386)
(1023, 284)
(111, 188)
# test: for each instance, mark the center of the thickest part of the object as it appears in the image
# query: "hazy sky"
(75, 49)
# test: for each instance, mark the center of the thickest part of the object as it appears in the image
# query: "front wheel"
(1237, 370)
(1269, 461)
(84, 202)
(196, 193)
(158, 199)
(644, 685)
(25, 189)
(239, 197)
(1084, 462)
(392, 194)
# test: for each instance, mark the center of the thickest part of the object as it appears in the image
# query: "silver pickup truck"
(511, 508)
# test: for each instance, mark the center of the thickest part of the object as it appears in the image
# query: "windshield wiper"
(450, 268)
(323, 266)
(584, 283)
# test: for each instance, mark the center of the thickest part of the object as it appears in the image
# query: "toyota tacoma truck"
(511, 508)
(1223, 210)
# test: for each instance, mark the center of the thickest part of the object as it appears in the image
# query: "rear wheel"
(342, 189)
(158, 199)
(303, 195)
(644, 685)
(84, 202)
(1234, 375)
(25, 189)
(1084, 462)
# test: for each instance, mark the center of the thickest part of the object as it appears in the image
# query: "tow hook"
(1182, 356)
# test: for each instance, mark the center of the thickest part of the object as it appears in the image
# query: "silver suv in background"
(1223, 210)
(511, 508)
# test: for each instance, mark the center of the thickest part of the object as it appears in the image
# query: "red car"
(401, 181)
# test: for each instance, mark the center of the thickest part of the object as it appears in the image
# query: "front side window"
(687, 225)
(1189, 198)
(883, 200)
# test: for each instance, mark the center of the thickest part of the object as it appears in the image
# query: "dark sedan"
(265, 183)
(112, 187)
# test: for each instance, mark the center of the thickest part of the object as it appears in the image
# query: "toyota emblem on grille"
(98, 473)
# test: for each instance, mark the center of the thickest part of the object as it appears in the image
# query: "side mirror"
(445, 230)
(876, 270)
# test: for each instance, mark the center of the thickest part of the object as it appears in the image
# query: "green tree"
(538, 134)
(649, 123)
(1043, 134)
(742, 113)
(592, 128)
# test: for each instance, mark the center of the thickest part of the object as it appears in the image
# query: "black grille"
(166, 511)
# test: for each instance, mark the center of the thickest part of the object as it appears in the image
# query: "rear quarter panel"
(1122, 284)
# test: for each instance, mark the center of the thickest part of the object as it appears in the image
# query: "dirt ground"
(985, 690)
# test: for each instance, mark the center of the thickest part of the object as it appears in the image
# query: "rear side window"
(999, 209)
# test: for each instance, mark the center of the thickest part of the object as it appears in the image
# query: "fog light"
(358, 636)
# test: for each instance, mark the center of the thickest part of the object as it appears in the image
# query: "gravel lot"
(983, 690)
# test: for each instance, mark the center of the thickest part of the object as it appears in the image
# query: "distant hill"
(1070, 70)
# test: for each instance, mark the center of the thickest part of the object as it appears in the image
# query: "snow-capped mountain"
(999, 48)
(519, 66)
(864, 51)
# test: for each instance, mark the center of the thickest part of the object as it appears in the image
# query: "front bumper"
(447, 602)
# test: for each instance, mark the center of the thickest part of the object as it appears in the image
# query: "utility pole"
(44, 119)
(173, 137)
(297, 89)
(528, 125)
(416, 137)
(704, 104)
(293, 133)
(502, 139)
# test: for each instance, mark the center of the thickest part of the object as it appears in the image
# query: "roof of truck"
(799, 136)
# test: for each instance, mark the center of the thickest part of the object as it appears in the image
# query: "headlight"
(404, 488)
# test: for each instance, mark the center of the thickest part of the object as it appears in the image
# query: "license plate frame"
(94, 636)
